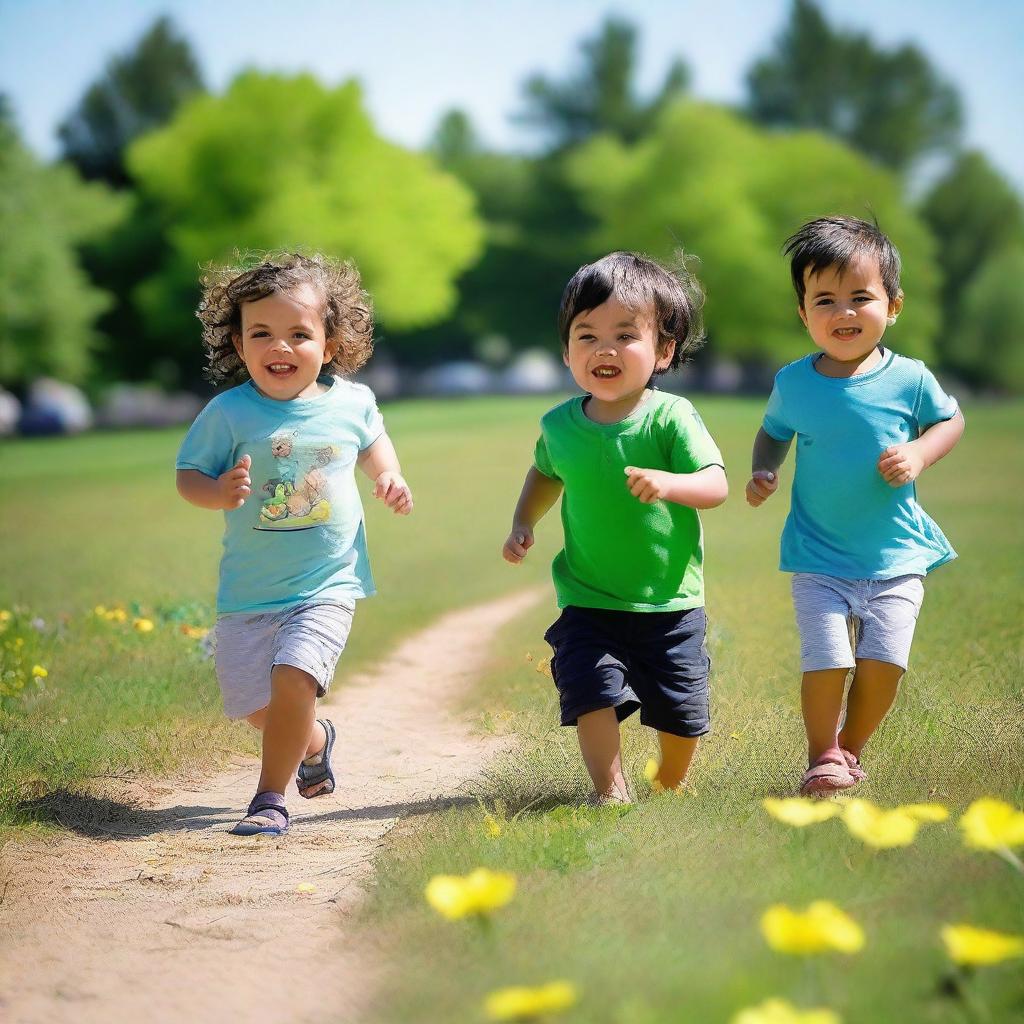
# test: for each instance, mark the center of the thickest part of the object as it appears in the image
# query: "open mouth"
(846, 332)
(281, 369)
(606, 372)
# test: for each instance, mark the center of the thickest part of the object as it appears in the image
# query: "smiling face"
(612, 352)
(846, 313)
(282, 343)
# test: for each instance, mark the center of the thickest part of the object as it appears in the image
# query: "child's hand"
(520, 540)
(648, 485)
(761, 486)
(394, 492)
(235, 485)
(900, 464)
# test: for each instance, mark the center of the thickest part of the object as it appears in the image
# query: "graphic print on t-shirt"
(296, 500)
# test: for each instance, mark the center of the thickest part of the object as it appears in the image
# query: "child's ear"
(803, 314)
(665, 354)
(565, 356)
(236, 340)
(331, 347)
(895, 308)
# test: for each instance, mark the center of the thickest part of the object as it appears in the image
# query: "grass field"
(653, 913)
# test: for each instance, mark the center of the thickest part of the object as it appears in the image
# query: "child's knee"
(294, 683)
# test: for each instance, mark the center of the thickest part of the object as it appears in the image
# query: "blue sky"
(417, 59)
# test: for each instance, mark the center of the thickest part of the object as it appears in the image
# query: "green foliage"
(974, 214)
(600, 97)
(47, 305)
(892, 105)
(987, 345)
(730, 193)
(137, 92)
(283, 162)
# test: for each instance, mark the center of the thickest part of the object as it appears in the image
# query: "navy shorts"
(655, 661)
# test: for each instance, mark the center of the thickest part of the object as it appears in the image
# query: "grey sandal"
(316, 770)
(267, 816)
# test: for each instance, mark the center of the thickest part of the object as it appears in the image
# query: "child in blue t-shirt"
(867, 422)
(276, 454)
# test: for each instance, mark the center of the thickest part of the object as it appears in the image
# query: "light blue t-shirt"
(844, 519)
(299, 536)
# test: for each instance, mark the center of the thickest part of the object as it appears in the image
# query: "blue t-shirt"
(299, 536)
(844, 519)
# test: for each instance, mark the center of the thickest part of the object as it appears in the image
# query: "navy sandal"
(267, 816)
(316, 770)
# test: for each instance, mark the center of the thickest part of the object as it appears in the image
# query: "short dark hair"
(834, 242)
(345, 308)
(674, 297)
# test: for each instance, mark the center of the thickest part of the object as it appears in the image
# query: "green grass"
(651, 913)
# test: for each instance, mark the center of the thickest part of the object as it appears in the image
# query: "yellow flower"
(492, 826)
(800, 811)
(116, 615)
(990, 824)
(778, 1011)
(143, 625)
(976, 947)
(100, 611)
(877, 827)
(821, 928)
(651, 770)
(305, 887)
(520, 1003)
(38, 672)
(5, 615)
(479, 892)
(925, 812)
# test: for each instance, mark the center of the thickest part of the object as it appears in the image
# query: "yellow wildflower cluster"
(990, 824)
(520, 1003)
(478, 893)
(821, 928)
(977, 947)
(873, 825)
(778, 1011)
(116, 614)
(17, 669)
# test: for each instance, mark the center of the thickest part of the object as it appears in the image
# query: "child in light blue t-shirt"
(867, 422)
(276, 454)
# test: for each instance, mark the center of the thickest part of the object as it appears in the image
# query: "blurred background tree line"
(465, 249)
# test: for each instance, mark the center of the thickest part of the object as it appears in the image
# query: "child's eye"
(303, 335)
(823, 302)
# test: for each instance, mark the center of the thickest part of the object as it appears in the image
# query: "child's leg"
(598, 733)
(288, 726)
(873, 691)
(676, 754)
(317, 738)
(821, 699)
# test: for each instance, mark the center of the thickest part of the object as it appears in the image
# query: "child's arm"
(380, 463)
(768, 455)
(706, 488)
(223, 493)
(902, 463)
(539, 493)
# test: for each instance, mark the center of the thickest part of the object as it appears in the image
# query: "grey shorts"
(841, 621)
(308, 636)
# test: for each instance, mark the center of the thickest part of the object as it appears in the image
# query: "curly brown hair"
(346, 309)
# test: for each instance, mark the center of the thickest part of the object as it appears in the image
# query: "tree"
(989, 333)
(973, 212)
(282, 162)
(600, 97)
(47, 305)
(731, 193)
(892, 105)
(138, 91)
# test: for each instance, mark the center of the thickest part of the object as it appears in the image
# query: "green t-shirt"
(620, 553)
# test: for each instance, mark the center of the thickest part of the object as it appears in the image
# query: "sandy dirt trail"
(155, 913)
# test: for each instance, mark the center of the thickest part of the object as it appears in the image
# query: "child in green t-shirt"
(632, 466)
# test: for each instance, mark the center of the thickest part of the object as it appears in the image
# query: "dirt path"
(157, 914)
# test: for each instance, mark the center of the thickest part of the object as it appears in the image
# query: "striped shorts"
(841, 621)
(308, 636)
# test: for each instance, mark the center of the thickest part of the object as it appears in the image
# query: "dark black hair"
(834, 242)
(675, 297)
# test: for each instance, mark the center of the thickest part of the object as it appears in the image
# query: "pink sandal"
(853, 763)
(826, 776)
